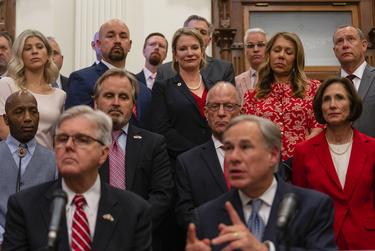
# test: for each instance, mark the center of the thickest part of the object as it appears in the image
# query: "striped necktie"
(81, 239)
(116, 162)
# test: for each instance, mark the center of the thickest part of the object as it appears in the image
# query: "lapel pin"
(108, 217)
(137, 137)
(178, 84)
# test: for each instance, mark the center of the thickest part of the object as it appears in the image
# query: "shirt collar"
(358, 72)
(125, 129)
(217, 142)
(92, 195)
(147, 73)
(13, 144)
(267, 197)
(110, 66)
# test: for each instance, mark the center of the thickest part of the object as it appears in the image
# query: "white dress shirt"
(148, 76)
(92, 197)
(358, 74)
(219, 151)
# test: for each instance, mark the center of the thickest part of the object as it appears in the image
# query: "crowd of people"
(184, 155)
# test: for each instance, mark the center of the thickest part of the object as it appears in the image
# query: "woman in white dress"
(32, 69)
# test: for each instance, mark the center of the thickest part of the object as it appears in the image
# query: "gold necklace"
(345, 150)
(198, 86)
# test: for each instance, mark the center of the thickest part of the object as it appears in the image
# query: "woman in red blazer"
(340, 162)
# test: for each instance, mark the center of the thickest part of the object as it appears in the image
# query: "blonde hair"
(16, 69)
(266, 76)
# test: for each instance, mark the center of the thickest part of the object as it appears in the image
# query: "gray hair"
(358, 30)
(270, 131)
(254, 30)
(102, 121)
(221, 84)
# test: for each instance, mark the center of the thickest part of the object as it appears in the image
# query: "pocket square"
(137, 137)
(108, 217)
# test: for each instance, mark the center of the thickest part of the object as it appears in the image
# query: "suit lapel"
(367, 78)
(209, 155)
(357, 162)
(46, 210)
(321, 149)
(106, 220)
(182, 88)
(134, 143)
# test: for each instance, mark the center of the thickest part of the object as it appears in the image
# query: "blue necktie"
(255, 223)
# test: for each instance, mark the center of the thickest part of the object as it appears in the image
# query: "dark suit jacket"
(355, 204)
(141, 78)
(29, 214)
(199, 178)
(175, 114)
(64, 83)
(148, 172)
(215, 70)
(81, 91)
(365, 123)
(310, 228)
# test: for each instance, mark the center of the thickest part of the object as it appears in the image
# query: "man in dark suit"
(113, 219)
(144, 166)
(58, 59)
(199, 171)
(350, 47)
(115, 43)
(215, 70)
(6, 42)
(245, 218)
(155, 50)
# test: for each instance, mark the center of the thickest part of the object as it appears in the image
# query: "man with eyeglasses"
(255, 44)
(97, 216)
(138, 159)
(216, 69)
(200, 173)
(24, 162)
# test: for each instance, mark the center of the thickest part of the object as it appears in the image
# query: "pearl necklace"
(346, 148)
(194, 88)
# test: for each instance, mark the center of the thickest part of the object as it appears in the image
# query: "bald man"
(114, 43)
(24, 162)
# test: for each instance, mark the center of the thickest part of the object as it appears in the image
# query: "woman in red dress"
(283, 93)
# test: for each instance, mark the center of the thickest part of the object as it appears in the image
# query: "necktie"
(81, 240)
(255, 223)
(116, 162)
(22, 151)
(351, 77)
(153, 77)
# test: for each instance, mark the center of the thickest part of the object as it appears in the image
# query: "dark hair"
(154, 34)
(355, 99)
(199, 18)
(7, 36)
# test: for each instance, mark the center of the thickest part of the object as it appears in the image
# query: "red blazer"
(313, 168)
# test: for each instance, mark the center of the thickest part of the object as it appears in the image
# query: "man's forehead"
(198, 24)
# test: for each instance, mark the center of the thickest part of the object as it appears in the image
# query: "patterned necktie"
(116, 162)
(81, 240)
(255, 223)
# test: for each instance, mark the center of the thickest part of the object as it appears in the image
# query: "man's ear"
(6, 119)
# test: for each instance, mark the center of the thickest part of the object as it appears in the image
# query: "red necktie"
(351, 77)
(116, 162)
(81, 240)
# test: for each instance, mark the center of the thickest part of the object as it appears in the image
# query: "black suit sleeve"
(161, 121)
(161, 184)
(79, 92)
(185, 204)
(15, 237)
(142, 234)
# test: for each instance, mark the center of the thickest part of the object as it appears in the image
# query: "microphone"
(287, 209)
(58, 207)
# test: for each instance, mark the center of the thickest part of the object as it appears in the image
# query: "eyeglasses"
(228, 107)
(252, 46)
(79, 140)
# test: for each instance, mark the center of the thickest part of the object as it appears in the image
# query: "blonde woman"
(32, 68)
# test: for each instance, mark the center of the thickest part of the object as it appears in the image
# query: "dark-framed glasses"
(252, 46)
(228, 107)
(79, 140)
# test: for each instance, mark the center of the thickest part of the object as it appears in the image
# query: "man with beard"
(24, 162)
(5, 51)
(155, 50)
(115, 43)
